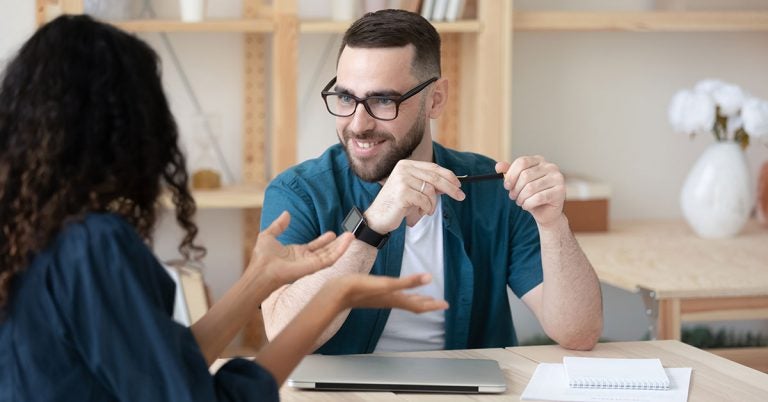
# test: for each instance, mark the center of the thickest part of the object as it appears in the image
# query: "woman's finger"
(333, 250)
(419, 303)
(321, 241)
(278, 225)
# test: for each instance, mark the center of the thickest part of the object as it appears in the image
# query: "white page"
(549, 383)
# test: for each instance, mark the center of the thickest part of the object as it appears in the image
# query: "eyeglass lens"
(379, 107)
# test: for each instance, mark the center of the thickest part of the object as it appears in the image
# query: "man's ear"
(438, 98)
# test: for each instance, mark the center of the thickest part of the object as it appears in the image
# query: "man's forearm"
(285, 351)
(572, 311)
(285, 303)
(216, 329)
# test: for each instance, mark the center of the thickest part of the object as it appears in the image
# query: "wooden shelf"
(223, 25)
(325, 26)
(240, 196)
(641, 21)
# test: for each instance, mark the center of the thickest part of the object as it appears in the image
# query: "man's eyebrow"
(384, 92)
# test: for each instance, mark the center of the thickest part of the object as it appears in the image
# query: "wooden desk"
(682, 277)
(713, 379)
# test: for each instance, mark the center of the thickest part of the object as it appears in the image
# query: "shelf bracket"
(651, 310)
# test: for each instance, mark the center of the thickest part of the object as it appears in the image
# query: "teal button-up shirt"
(488, 243)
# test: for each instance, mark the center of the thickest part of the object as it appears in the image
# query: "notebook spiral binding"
(619, 383)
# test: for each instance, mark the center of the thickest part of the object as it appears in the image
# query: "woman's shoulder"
(97, 223)
(98, 240)
(96, 229)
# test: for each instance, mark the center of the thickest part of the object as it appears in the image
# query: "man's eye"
(346, 99)
(382, 101)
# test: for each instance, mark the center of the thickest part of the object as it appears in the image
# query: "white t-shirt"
(423, 253)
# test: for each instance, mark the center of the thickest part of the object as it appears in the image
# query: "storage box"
(586, 205)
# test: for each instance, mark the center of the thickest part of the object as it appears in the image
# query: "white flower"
(728, 97)
(708, 86)
(755, 116)
(724, 110)
(692, 112)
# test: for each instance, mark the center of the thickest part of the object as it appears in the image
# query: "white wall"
(17, 22)
(595, 103)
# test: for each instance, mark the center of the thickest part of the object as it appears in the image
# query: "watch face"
(352, 221)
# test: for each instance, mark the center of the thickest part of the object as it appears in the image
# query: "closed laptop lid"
(388, 373)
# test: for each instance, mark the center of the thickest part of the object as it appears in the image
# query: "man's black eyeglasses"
(380, 107)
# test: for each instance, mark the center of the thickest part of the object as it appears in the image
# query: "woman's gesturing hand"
(279, 264)
(372, 291)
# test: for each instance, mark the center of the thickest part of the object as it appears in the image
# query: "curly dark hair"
(84, 127)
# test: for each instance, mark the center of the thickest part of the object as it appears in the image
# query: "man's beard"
(375, 172)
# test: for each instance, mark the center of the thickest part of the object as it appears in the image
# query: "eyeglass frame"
(397, 99)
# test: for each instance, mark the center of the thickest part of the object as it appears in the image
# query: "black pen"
(481, 177)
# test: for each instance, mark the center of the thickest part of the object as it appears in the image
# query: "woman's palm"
(288, 263)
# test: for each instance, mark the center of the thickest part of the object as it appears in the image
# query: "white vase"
(717, 195)
(192, 10)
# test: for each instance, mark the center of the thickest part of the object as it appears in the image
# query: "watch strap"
(370, 236)
(355, 222)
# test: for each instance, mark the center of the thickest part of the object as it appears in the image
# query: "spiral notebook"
(549, 383)
(591, 372)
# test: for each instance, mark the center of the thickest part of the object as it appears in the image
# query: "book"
(192, 299)
(426, 8)
(195, 294)
(413, 6)
(439, 10)
(180, 313)
(455, 10)
(592, 372)
(548, 383)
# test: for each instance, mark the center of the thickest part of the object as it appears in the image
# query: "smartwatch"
(355, 223)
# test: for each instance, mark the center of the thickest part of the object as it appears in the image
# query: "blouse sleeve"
(114, 299)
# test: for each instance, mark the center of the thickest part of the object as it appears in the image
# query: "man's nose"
(361, 120)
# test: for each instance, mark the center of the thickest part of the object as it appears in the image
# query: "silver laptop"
(404, 374)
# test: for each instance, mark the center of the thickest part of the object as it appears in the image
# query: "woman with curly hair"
(87, 145)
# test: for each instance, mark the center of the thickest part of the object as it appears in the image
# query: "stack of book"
(447, 10)
(586, 204)
(192, 298)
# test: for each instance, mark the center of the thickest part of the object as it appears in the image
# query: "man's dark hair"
(84, 127)
(398, 28)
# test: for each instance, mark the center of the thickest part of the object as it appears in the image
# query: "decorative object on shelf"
(586, 204)
(206, 172)
(192, 10)
(762, 195)
(716, 197)
(113, 10)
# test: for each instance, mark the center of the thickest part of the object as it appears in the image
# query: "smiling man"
(398, 191)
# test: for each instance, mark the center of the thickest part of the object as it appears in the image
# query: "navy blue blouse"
(90, 320)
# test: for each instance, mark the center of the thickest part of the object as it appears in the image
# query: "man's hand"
(280, 265)
(411, 192)
(535, 185)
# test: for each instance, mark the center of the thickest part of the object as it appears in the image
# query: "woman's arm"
(339, 294)
(272, 265)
